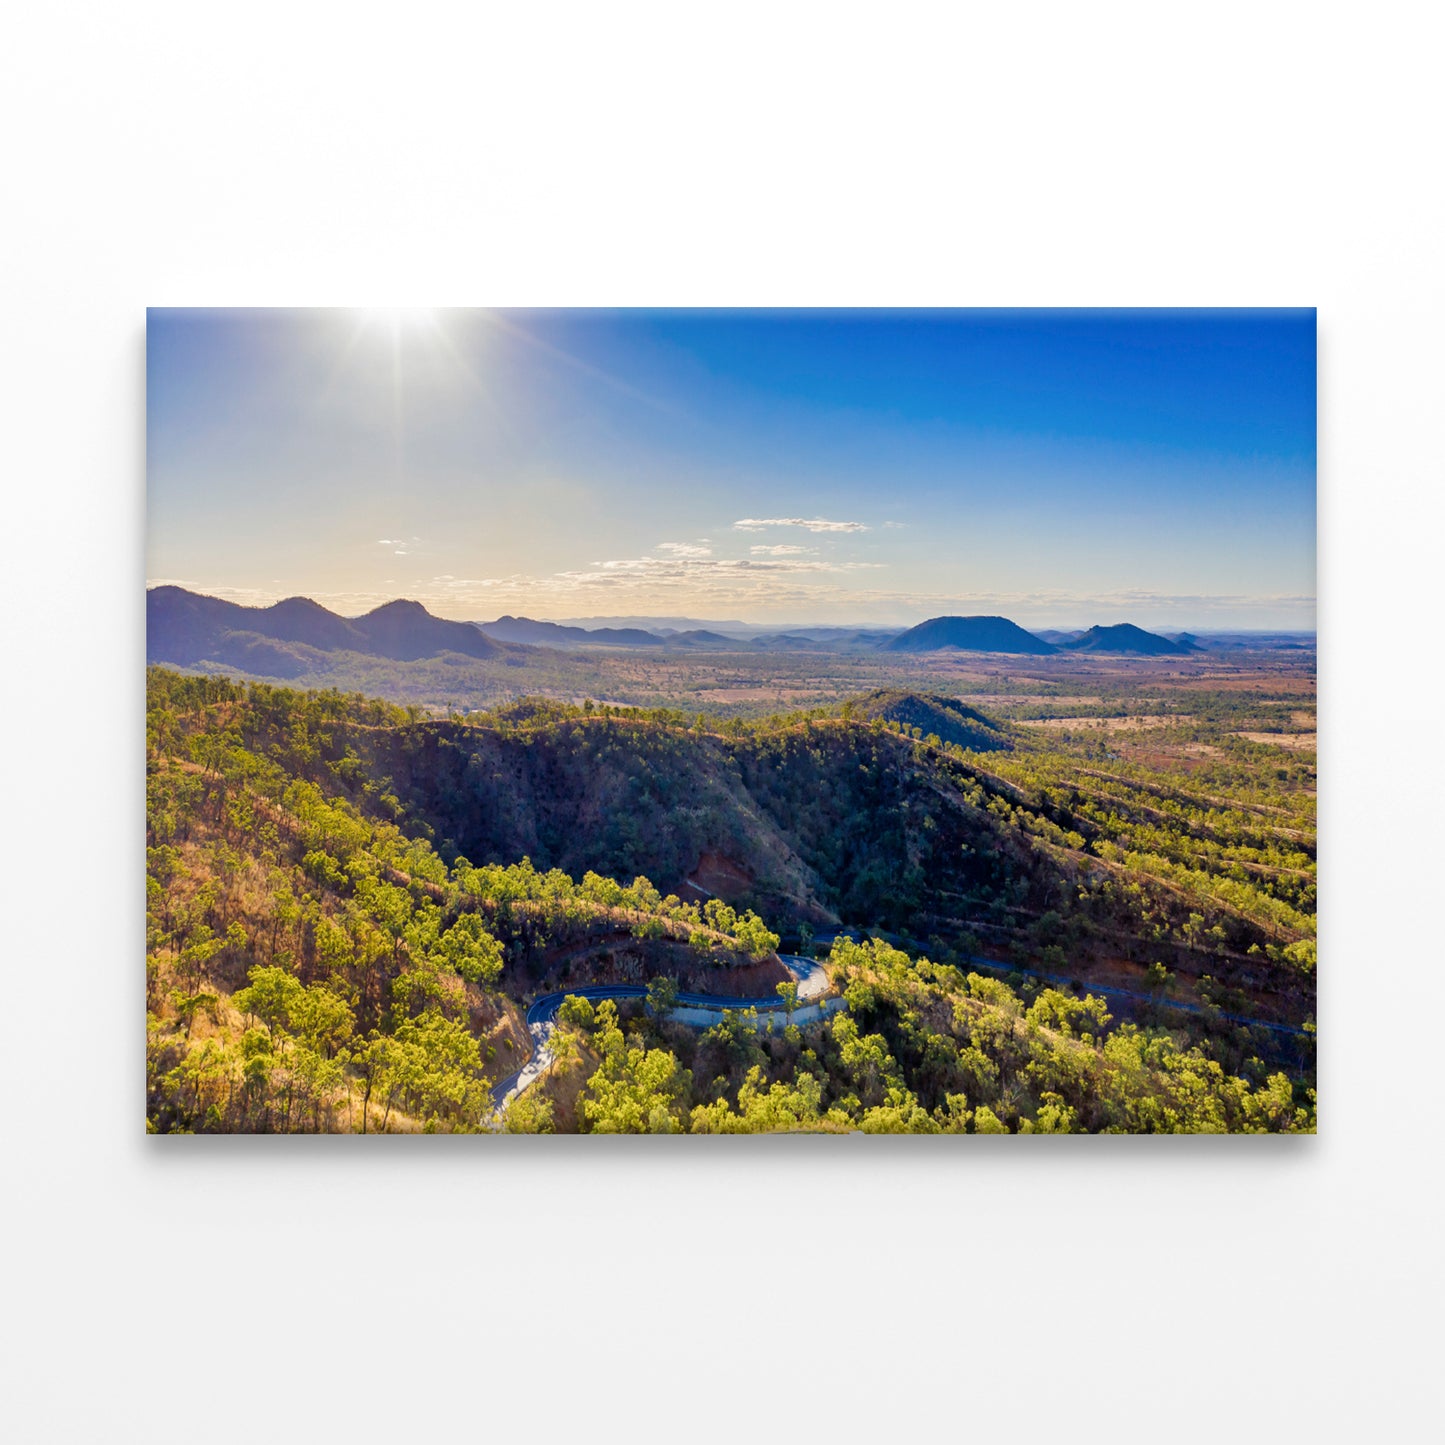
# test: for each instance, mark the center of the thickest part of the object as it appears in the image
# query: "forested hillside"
(829, 820)
(922, 1048)
(310, 965)
(350, 905)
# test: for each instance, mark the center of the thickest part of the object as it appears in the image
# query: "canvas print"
(717, 722)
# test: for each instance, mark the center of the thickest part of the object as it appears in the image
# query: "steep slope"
(1124, 637)
(602, 794)
(832, 821)
(944, 717)
(969, 634)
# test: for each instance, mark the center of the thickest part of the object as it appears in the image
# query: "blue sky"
(1060, 468)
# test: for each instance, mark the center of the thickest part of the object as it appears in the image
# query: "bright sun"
(396, 319)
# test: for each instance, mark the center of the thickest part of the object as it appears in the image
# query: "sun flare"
(396, 319)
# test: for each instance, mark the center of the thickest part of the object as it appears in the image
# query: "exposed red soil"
(721, 877)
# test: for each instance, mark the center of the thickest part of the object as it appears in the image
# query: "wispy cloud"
(685, 549)
(813, 524)
(781, 549)
(702, 580)
(689, 568)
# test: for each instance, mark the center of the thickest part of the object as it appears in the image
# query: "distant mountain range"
(1125, 637)
(295, 636)
(555, 634)
(969, 634)
(290, 637)
(529, 631)
(663, 625)
(998, 634)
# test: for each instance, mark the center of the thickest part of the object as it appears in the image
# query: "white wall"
(1230, 153)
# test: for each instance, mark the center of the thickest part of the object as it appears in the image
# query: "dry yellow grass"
(1106, 724)
(1295, 742)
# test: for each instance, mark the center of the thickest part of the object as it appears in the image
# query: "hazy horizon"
(674, 621)
(775, 468)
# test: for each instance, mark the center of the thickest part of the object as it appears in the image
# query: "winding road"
(810, 976)
(701, 1010)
